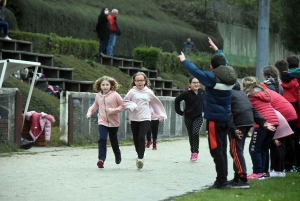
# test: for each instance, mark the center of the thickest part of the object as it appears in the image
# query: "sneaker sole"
(240, 187)
(140, 164)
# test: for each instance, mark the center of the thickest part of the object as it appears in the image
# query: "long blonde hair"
(250, 86)
(114, 85)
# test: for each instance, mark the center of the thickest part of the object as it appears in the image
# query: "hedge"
(53, 44)
(156, 59)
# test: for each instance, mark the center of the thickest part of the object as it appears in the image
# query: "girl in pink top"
(109, 103)
(138, 100)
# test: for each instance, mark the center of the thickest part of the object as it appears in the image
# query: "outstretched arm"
(213, 46)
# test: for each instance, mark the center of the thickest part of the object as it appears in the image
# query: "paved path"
(71, 173)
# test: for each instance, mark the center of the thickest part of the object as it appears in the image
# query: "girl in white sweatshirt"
(138, 100)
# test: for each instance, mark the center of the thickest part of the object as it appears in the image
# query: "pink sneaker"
(194, 157)
(255, 176)
(100, 164)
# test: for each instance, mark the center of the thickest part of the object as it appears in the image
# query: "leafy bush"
(53, 44)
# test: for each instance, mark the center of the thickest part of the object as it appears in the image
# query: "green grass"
(273, 189)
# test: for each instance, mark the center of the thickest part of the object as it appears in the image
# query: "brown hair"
(113, 83)
(147, 82)
(272, 72)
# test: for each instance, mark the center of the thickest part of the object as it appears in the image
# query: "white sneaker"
(7, 38)
(277, 174)
(139, 163)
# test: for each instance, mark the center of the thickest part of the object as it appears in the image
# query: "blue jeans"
(103, 131)
(5, 27)
(102, 46)
(259, 148)
(111, 43)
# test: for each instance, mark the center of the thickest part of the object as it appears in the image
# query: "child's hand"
(270, 127)
(88, 116)
(181, 57)
(161, 119)
(277, 143)
(212, 45)
(239, 134)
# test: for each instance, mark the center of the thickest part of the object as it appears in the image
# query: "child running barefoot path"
(137, 100)
(109, 103)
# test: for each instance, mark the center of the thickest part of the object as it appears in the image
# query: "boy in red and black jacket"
(290, 77)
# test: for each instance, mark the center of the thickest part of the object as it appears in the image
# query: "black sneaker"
(118, 158)
(240, 184)
(218, 185)
(25, 142)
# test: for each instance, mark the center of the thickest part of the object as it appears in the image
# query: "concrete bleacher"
(63, 77)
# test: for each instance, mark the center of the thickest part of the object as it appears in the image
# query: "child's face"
(105, 86)
(140, 81)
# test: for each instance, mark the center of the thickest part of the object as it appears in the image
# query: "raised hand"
(212, 44)
(181, 57)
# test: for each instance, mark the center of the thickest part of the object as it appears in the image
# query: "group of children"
(270, 108)
(143, 106)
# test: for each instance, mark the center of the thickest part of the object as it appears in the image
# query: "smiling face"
(105, 86)
(195, 84)
(140, 81)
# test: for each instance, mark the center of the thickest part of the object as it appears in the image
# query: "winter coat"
(282, 105)
(193, 103)
(39, 123)
(218, 85)
(108, 105)
(138, 102)
(262, 103)
(243, 114)
(270, 83)
(113, 25)
(291, 87)
(102, 27)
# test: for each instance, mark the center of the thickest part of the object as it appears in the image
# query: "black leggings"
(154, 130)
(139, 131)
(277, 156)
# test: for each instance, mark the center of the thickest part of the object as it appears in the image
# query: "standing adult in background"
(188, 47)
(102, 30)
(3, 23)
(113, 31)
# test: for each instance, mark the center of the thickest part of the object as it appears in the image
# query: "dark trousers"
(290, 147)
(237, 153)
(103, 45)
(297, 146)
(193, 127)
(153, 130)
(277, 156)
(259, 148)
(5, 27)
(217, 140)
(113, 138)
(139, 131)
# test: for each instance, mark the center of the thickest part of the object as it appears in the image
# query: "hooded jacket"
(243, 114)
(262, 103)
(282, 105)
(109, 106)
(218, 85)
(102, 26)
(138, 101)
(193, 103)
